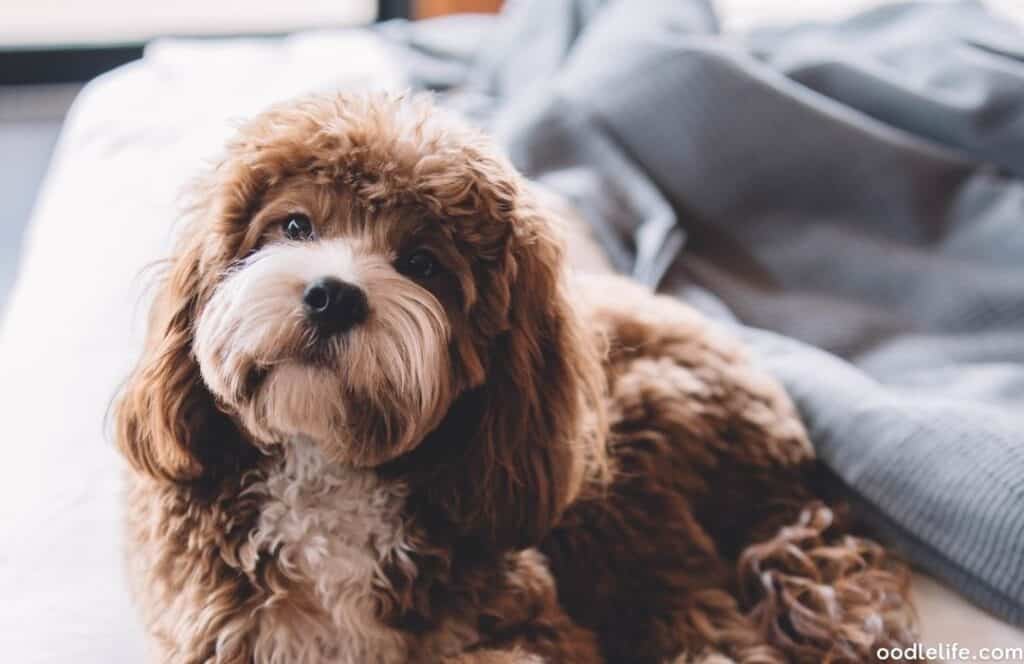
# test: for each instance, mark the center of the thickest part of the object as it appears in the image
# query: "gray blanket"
(850, 196)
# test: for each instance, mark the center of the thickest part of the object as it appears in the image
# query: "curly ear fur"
(167, 423)
(545, 380)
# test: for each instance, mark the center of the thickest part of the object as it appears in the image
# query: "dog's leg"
(631, 560)
(526, 624)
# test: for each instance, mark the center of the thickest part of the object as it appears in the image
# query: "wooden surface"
(428, 8)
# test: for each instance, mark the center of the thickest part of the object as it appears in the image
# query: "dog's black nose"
(334, 305)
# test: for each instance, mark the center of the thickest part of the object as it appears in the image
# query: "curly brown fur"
(488, 464)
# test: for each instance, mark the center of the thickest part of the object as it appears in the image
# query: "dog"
(377, 420)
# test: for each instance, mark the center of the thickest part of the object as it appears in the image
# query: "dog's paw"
(825, 595)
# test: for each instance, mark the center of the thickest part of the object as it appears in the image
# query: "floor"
(30, 121)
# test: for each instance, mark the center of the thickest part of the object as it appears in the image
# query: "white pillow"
(75, 323)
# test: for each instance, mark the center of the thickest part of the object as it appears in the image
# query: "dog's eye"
(297, 227)
(419, 264)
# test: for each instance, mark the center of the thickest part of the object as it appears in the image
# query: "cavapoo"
(377, 421)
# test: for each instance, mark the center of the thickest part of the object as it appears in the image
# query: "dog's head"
(366, 272)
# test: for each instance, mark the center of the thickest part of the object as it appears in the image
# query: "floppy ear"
(512, 452)
(167, 423)
(544, 382)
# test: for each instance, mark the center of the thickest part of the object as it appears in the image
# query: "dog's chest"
(327, 529)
